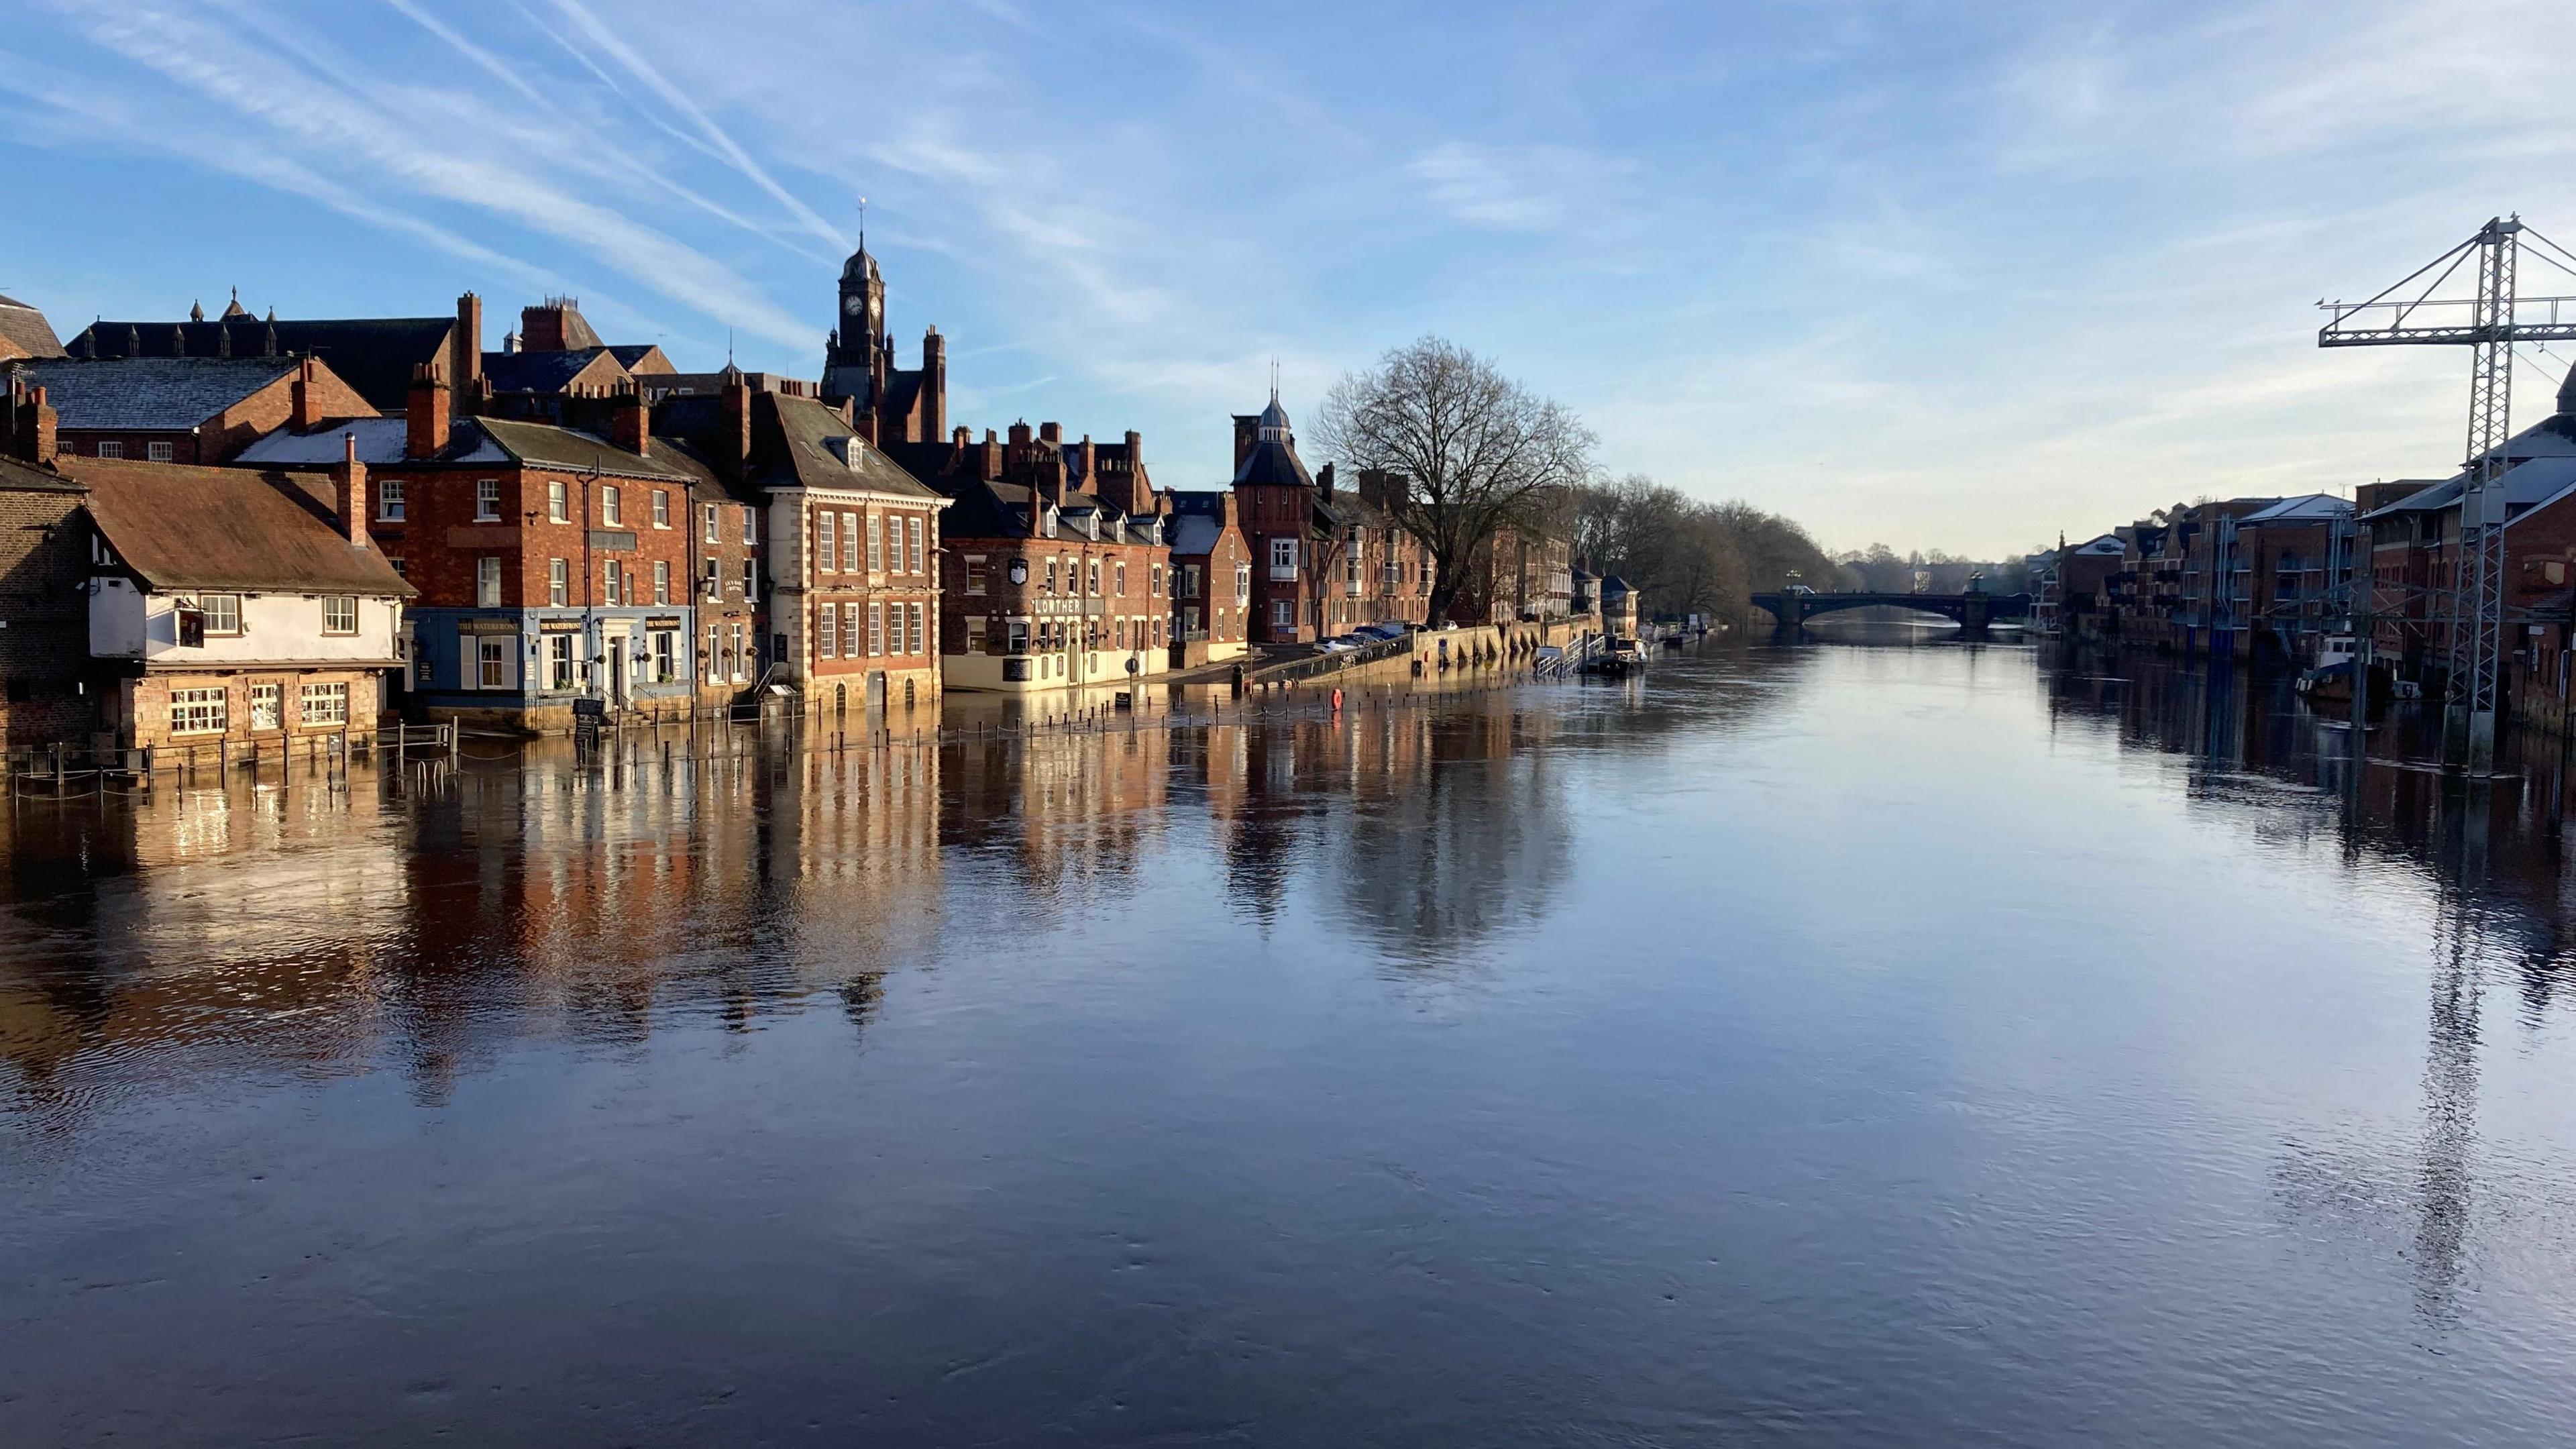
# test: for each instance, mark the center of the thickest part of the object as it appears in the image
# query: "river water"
(1833, 1044)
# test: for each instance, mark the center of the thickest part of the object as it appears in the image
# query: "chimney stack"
(425, 414)
(1324, 481)
(630, 422)
(934, 384)
(1051, 432)
(737, 429)
(349, 491)
(308, 400)
(465, 352)
(37, 425)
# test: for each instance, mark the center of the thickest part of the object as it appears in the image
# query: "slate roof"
(1198, 521)
(793, 445)
(380, 441)
(24, 332)
(543, 445)
(17, 477)
(548, 371)
(152, 394)
(2306, 508)
(373, 355)
(183, 527)
(1276, 462)
(633, 355)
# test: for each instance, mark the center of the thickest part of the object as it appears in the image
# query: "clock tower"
(858, 357)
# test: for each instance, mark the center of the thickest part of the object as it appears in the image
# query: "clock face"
(855, 305)
(1019, 571)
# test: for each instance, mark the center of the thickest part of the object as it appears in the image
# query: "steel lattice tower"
(2489, 323)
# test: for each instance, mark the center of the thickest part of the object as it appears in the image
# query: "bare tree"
(1476, 452)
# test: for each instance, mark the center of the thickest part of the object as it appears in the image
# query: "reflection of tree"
(1475, 842)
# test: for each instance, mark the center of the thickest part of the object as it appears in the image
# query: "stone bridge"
(1973, 611)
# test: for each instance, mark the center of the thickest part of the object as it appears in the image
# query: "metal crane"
(2489, 322)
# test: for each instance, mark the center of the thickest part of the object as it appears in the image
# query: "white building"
(237, 605)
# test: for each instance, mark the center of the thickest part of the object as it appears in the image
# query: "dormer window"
(849, 450)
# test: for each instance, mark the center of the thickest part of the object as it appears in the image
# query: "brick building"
(45, 673)
(186, 409)
(1211, 579)
(854, 548)
(1057, 572)
(1517, 574)
(553, 562)
(234, 604)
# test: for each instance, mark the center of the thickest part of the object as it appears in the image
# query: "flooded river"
(1839, 1044)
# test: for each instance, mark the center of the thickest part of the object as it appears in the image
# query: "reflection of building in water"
(1068, 811)
(290, 928)
(217, 928)
(2492, 853)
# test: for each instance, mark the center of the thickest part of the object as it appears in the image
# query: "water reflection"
(2490, 854)
(529, 893)
(1912, 1044)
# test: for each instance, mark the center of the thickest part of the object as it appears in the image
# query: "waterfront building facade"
(1211, 579)
(236, 605)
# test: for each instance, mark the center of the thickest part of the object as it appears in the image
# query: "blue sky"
(1950, 275)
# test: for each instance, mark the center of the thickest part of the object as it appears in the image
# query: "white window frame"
(661, 508)
(876, 543)
(876, 630)
(661, 577)
(111, 449)
(912, 534)
(487, 500)
(157, 451)
(562, 673)
(200, 711)
(612, 506)
(827, 631)
(389, 499)
(559, 582)
(274, 697)
(974, 573)
(333, 607)
(849, 543)
(714, 530)
(215, 609)
(827, 548)
(322, 706)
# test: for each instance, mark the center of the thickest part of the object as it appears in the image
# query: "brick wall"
(44, 616)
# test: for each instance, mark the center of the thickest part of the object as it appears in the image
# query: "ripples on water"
(1891, 1044)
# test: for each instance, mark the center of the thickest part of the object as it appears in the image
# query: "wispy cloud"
(1527, 188)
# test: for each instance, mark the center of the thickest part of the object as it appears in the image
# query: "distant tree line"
(1476, 452)
(1693, 556)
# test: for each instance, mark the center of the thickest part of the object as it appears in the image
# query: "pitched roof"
(17, 477)
(798, 442)
(373, 355)
(1274, 461)
(550, 371)
(24, 332)
(184, 527)
(2306, 508)
(543, 445)
(642, 357)
(380, 441)
(148, 394)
